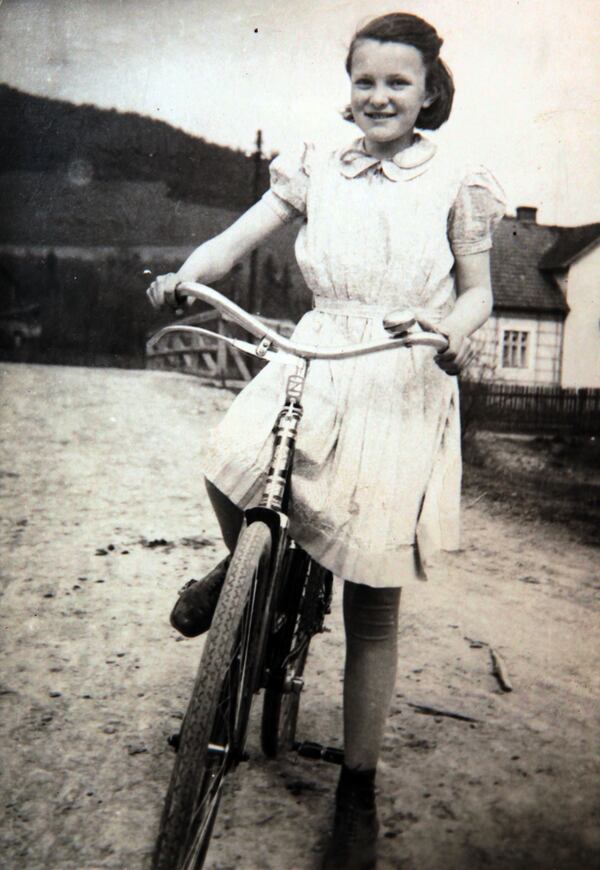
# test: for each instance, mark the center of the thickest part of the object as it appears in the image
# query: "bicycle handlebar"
(269, 336)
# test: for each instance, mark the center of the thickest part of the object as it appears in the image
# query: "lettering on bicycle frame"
(295, 386)
(295, 382)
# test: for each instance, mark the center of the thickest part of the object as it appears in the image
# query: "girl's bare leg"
(371, 622)
(229, 515)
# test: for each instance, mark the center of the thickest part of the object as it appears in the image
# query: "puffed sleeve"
(478, 207)
(290, 178)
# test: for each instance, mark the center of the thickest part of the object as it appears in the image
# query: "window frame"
(516, 344)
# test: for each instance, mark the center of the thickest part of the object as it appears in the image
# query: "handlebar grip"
(175, 299)
(179, 299)
(444, 338)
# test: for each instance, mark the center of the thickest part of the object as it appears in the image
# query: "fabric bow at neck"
(403, 166)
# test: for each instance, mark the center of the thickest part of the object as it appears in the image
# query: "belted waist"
(351, 308)
(370, 311)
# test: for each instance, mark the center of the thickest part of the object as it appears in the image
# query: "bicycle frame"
(280, 676)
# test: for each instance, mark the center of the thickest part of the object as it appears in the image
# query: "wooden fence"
(208, 357)
(547, 410)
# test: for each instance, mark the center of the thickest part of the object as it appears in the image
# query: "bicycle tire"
(307, 597)
(218, 710)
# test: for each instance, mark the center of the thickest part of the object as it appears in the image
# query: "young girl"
(389, 222)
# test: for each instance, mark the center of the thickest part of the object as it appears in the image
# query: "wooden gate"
(207, 357)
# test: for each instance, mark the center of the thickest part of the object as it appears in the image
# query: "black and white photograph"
(300, 435)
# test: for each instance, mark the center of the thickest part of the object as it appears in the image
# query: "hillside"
(82, 187)
(47, 209)
(42, 135)
(78, 175)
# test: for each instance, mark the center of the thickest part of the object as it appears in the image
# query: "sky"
(527, 75)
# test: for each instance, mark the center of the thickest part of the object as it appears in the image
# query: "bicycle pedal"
(239, 757)
(293, 685)
(318, 752)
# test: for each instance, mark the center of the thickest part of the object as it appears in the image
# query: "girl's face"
(387, 93)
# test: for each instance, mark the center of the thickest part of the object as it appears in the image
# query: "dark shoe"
(193, 612)
(353, 843)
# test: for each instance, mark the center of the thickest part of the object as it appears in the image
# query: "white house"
(545, 329)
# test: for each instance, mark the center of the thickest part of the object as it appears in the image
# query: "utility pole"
(257, 160)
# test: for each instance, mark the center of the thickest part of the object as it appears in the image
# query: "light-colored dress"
(376, 481)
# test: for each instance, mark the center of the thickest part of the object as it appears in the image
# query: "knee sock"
(371, 622)
(358, 784)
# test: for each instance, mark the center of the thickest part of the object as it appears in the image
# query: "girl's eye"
(398, 83)
(362, 83)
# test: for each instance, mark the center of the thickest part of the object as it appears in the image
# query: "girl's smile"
(388, 91)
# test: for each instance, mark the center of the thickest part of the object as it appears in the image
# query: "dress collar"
(403, 166)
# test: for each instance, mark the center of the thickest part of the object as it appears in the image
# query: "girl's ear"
(430, 99)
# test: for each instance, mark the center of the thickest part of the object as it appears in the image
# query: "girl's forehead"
(370, 55)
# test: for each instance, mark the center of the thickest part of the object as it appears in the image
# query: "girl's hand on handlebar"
(163, 291)
(459, 352)
(457, 356)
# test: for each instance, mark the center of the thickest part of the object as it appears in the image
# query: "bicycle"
(273, 601)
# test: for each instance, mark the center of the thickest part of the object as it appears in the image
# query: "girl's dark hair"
(412, 30)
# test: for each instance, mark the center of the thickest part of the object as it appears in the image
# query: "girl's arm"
(216, 257)
(473, 307)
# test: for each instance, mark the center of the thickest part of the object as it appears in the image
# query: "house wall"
(581, 352)
(544, 337)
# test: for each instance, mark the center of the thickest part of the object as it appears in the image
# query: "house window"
(514, 349)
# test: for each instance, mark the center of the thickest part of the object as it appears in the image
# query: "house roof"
(571, 242)
(518, 283)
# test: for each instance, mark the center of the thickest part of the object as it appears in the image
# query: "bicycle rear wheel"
(214, 728)
(305, 600)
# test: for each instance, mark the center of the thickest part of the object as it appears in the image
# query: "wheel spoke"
(245, 651)
(203, 816)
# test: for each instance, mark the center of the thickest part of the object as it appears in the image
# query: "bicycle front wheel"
(214, 728)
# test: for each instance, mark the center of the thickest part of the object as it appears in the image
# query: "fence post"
(579, 422)
(252, 275)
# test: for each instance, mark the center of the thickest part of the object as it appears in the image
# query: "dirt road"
(103, 517)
